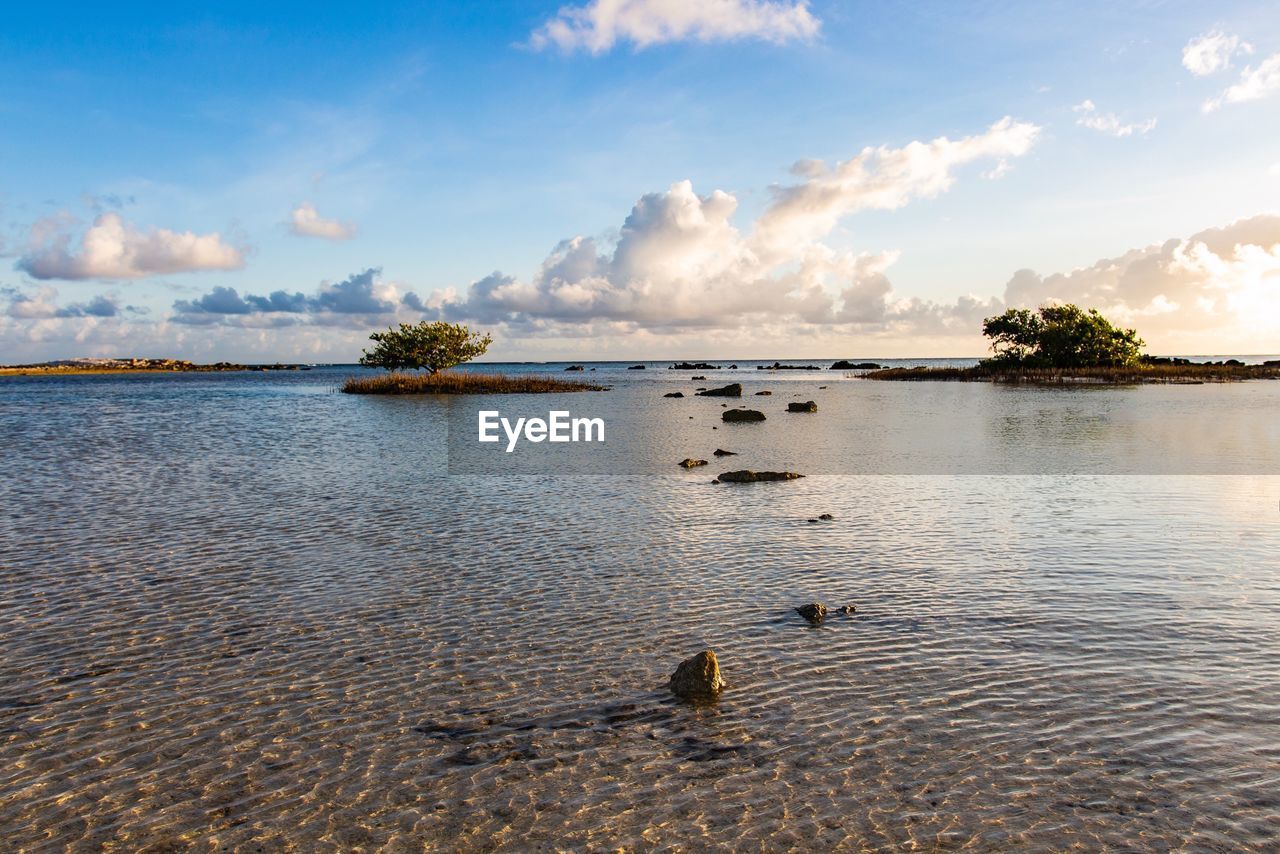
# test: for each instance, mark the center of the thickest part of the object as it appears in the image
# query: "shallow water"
(243, 610)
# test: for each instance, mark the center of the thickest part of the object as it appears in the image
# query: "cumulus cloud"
(114, 249)
(1212, 52)
(42, 304)
(1218, 279)
(881, 178)
(305, 221)
(600, 24)
(680, 261)
(361, 294)
(1109, 123)
(1255, 83)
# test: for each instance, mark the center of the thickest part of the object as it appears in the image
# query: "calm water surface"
(244, 611)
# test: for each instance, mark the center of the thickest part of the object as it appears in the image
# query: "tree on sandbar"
(1059, 336)
(433, 346)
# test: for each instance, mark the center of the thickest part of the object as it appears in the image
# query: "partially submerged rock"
(730, 390)
(855, 366)
(814, 612)
(575, 368)
(674, 394)
(741, 415)
(697, 378)
(763, 393)
(719, 452)
(807, 406)
(698, 678)
(636, 368)
(690, 463)
(827, 517)
(749, 476)
(846, 609)
(692, 366)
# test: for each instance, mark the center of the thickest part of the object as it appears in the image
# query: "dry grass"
(1172, 374)
(447, 382)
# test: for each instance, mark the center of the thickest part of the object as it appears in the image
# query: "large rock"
(692, 463)
(730, 390)
(675, 394)
(855, 366)
(741, 415)
(692, 366)
(815, 612)
(749, 476)
(807, 406)
(575, 368)
(698, 678)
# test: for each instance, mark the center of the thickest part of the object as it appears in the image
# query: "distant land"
(132, 365)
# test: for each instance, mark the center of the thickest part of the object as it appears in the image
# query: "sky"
(632, 179)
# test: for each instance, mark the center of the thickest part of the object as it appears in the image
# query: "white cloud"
(1219, 282)
(1212, 52)
(305, 221)
(880, 178)
(600, 24)
(1109, 123)
(114, 249)
(1256, 82)
(680, 261)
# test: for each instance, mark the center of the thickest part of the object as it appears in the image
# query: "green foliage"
(433, 346)
(1059, 336)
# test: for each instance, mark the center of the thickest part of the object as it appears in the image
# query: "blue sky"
(156, 155)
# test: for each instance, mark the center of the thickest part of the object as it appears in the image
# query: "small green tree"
(434, 346)
(1060, 336)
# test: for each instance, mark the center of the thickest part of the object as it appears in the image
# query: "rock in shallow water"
(698, 678)
(731, 390)
(692, 463)
(749, 476)
(722, 453)
(741, 415)
(674, 394)
(815, 612)
(807, 406)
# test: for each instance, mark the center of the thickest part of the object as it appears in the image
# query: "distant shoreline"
(78, 367)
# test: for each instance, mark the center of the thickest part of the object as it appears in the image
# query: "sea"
(245, 611)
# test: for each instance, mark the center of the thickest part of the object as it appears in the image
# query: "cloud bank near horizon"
(1182, 295)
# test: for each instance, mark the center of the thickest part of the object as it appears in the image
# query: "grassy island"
(1066, 345)
(1172, 374)
(444, 382)
(417, 359)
